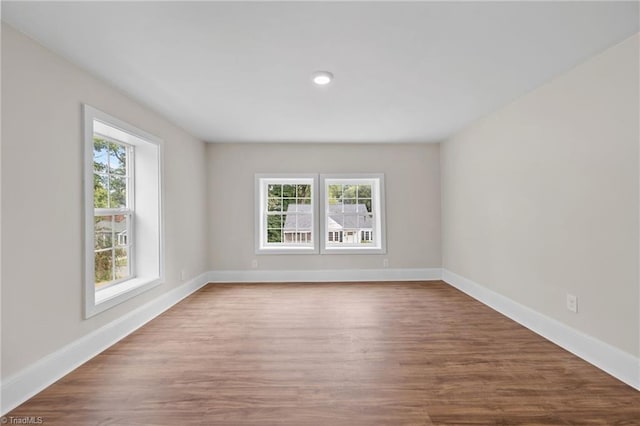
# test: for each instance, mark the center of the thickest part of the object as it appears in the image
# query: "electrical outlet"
(254, 263)
(183, 275)
(385, 263)
(572, 303)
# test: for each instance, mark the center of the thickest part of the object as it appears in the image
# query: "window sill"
(111, 296)
(287, 250)
(354, 250)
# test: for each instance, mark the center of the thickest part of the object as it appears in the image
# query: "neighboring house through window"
(348, 223)
(351, 217)
(286, 219)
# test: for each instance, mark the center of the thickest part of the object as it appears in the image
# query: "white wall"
(412, 179)
(540, 198)
(42, 208)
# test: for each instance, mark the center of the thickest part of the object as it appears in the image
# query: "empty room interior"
(320, 213)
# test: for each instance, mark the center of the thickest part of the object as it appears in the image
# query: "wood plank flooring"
(406, 353)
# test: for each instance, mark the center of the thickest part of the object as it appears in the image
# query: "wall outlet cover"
(572, 303)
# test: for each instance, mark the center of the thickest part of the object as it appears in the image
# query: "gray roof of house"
(342, 216)
(108, 226)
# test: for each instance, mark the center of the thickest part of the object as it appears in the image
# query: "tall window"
(113, 195)
(123, 211)
(353, 214)
(286, 214)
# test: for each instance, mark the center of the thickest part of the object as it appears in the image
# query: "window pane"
(334, 209)
(364, 191)
(274, 222)
(335, 193)
(103, 232)
(121, 233)
(100, 191)
(274, 204)
(120, 226)
(122, 263)
(117, 192)
(103, 267)
(297, 207)
(290, 222)
(365, 222)
(362, 222)
(349, 191)
(274, 190)
(305, 201)
(350, 221)
(117, 159)
(366, 203)
(274, 236)
(111, 231)
(303, 191)
(304, 221)
(350, 237)
(306, 231)
(335, 222)
(100, 155)
(289, 191)
(286, 202)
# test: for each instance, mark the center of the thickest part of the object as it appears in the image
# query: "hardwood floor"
(417, 353)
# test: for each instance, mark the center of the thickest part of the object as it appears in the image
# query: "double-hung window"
(286, 215)
(353, 213)
(345, 216)
(123, 211)
(113, 197)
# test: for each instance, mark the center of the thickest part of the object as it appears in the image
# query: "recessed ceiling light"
(322, 78)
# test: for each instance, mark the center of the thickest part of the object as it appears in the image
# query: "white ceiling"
(404, 72)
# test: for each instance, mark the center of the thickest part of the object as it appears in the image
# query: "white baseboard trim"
(338, 275)
(25, 384)
(621, 365)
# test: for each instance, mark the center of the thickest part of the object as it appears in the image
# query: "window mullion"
(107, 212)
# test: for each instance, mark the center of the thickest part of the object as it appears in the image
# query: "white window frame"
(262, 180)
(376, 180)
(148, 241)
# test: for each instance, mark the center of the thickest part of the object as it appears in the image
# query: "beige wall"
(540, 199)
(42, 208)
(412, 179)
